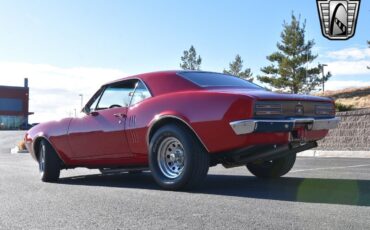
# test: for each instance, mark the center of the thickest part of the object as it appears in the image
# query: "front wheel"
(274, 168)
(177, 160)
(49, 162)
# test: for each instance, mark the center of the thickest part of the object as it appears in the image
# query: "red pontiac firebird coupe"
(178, 124)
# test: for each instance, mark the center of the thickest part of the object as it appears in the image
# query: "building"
(14, 106)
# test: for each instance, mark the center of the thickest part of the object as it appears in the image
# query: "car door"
(99, 136)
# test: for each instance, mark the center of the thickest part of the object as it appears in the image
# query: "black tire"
(49, 162)
(272, 169)
(195, 158)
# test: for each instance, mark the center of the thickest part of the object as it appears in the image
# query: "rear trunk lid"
(264, 95)
(279, 105)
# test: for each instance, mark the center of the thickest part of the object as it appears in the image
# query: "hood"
(264, 95)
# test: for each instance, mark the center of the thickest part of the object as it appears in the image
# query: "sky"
(71, 47)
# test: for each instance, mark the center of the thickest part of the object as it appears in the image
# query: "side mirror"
(94, 113)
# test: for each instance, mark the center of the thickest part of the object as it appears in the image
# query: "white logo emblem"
(338, 18)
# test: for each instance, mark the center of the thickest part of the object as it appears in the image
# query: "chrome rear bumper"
(265, 126)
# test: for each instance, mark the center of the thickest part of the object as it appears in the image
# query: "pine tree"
(289, 69)
(236, 69)
(190, 61)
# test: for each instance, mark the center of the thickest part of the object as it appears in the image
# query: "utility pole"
(323, 77)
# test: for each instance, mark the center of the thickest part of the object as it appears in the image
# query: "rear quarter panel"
(208, 113)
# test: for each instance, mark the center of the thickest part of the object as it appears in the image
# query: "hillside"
(358, 97)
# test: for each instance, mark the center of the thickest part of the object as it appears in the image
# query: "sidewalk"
(344, 154)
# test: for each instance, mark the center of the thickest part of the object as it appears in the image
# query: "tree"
(289, 69)
(236, 69)
(190, 61)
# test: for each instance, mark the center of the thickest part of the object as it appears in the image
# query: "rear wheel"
(177, 160)
(274, 168)
(49, 162)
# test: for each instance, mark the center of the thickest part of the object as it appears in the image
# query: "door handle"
(120, 115)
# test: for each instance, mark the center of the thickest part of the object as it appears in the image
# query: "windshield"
(208, 79)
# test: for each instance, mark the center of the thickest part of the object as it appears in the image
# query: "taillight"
(262, 109)
(327, 109)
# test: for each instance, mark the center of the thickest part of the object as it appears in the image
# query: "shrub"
(342, 108)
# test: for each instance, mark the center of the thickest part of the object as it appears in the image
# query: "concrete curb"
(344, 154)
(16, 150)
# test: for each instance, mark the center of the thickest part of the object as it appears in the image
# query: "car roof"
(156, 74)
(162, 82)
(145, 75)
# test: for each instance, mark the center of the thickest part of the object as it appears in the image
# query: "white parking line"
(329, 168)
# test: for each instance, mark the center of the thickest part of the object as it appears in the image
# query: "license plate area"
(298, 135)
(304, 124)
(301, 129)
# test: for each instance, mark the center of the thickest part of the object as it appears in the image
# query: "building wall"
(13, 107)
(353, 133)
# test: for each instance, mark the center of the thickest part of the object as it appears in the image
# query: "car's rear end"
(304, 118)
(300, 122)
(261, 125)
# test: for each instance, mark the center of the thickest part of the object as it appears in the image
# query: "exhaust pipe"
(266, 153)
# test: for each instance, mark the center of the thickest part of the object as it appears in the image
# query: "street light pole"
(323, 77)
(82, 100)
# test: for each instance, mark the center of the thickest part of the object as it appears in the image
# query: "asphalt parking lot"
(319, 193)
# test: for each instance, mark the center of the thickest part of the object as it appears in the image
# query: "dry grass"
(348, 92)
(357, 102)
(21, 145)
(357, 97)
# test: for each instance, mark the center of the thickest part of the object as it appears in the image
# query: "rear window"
(206, 79)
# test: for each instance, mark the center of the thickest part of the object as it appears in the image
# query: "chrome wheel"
(177, 160)
(42, 159)
(171, 157)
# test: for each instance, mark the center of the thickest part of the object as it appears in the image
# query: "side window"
(91, 106)
(141, 93)
(117, 95)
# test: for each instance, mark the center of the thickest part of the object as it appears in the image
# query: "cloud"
(349, 54)
(336, 85)
(349, 67)
(349, 61)
(54, 91)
